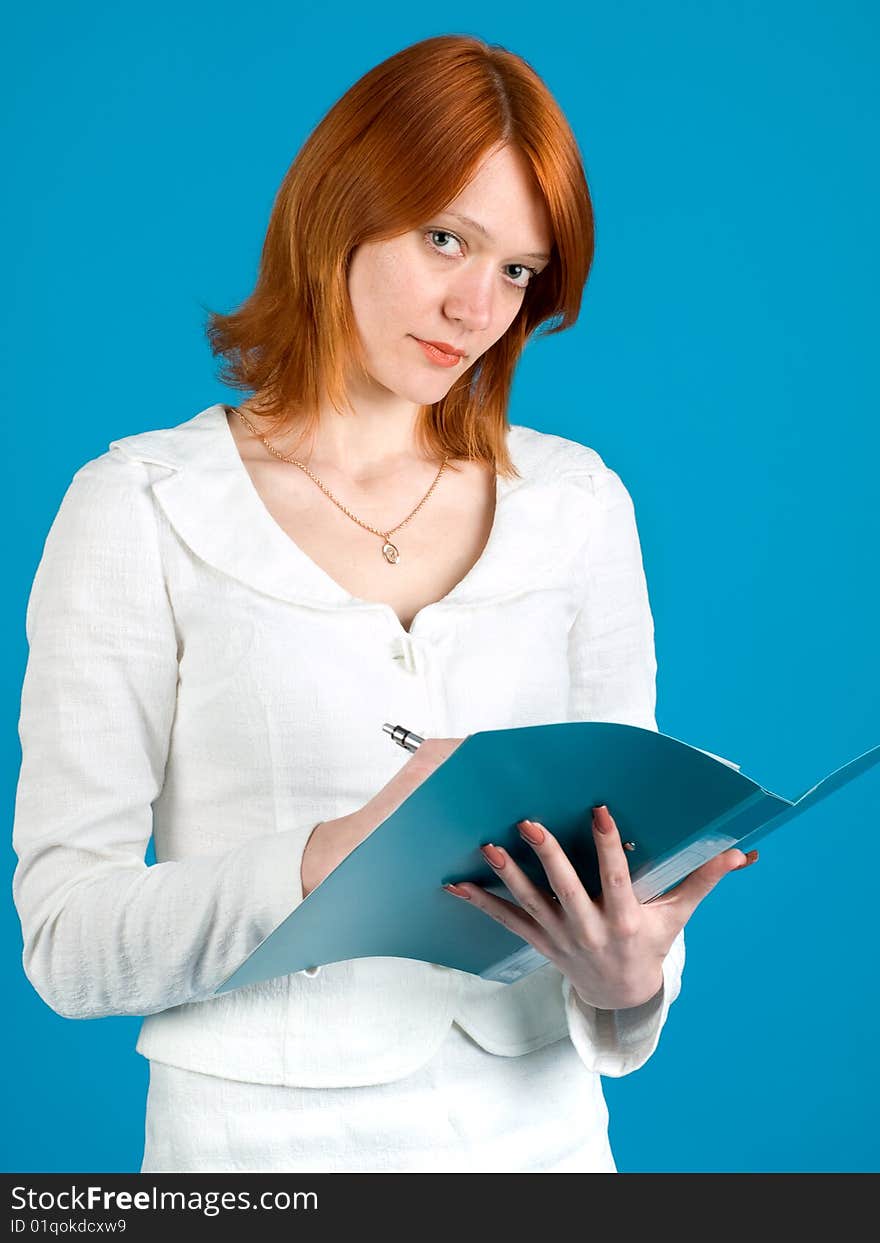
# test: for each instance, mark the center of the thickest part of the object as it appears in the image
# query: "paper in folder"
(677, 805)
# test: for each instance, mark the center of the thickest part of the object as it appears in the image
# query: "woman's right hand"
(332, 840)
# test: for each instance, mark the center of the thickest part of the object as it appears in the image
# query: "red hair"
(373, 169)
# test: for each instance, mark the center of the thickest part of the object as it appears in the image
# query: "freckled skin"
(465, 295)
(459, 288)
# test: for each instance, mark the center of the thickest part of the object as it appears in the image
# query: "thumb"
(688, 895)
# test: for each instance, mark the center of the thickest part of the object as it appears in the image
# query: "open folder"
(676, 807)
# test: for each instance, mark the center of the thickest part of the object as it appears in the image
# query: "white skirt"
(465, 1110)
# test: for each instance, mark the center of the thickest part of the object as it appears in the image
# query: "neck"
(374, 441)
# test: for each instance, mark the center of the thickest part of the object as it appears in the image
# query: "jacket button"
(311, 971)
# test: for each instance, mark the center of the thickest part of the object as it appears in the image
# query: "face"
(448, 282)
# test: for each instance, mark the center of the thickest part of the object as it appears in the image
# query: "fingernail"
(492, 855)
(458, 891)
(751, 857)
(602, 819)
(531, 832)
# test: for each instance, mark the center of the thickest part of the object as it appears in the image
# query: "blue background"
(725, 364)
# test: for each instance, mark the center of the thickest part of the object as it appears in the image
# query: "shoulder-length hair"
(372, 169)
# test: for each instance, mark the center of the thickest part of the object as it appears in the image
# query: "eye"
(432, 233)
(523, 268)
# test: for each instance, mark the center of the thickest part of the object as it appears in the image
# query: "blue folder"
(676, 806)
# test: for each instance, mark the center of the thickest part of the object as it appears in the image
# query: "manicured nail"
(458, 891)
(531, 831)
(492, 855)
(751, 857)
(602, 819)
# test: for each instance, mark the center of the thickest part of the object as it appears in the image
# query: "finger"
(619, 902)
(564, 881)
(540, 905)
(506, 913)
(684, 899)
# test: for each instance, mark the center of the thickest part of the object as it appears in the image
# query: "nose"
(469, 299)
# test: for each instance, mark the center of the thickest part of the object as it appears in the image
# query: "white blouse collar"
(211, 502)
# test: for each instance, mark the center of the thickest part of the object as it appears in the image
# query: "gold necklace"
(389, 551)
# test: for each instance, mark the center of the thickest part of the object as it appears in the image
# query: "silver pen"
(403, 737)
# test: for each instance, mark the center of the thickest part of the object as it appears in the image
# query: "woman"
(228, 609)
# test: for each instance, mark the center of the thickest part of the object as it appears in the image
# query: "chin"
(417, 387)
(421, 391)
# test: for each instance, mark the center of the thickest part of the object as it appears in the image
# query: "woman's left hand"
(611, 947)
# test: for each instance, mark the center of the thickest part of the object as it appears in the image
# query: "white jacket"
(193, 674)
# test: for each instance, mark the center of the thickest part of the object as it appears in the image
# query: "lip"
(444, 346)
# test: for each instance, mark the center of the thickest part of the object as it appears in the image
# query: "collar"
(211, 503)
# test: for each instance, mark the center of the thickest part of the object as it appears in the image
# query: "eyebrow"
(484, 232)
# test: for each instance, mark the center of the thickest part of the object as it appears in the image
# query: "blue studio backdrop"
(724, 365)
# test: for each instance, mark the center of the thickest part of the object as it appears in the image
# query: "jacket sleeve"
(105, 933)
(613, 670)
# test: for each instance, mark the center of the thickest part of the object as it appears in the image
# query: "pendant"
(390, 553)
